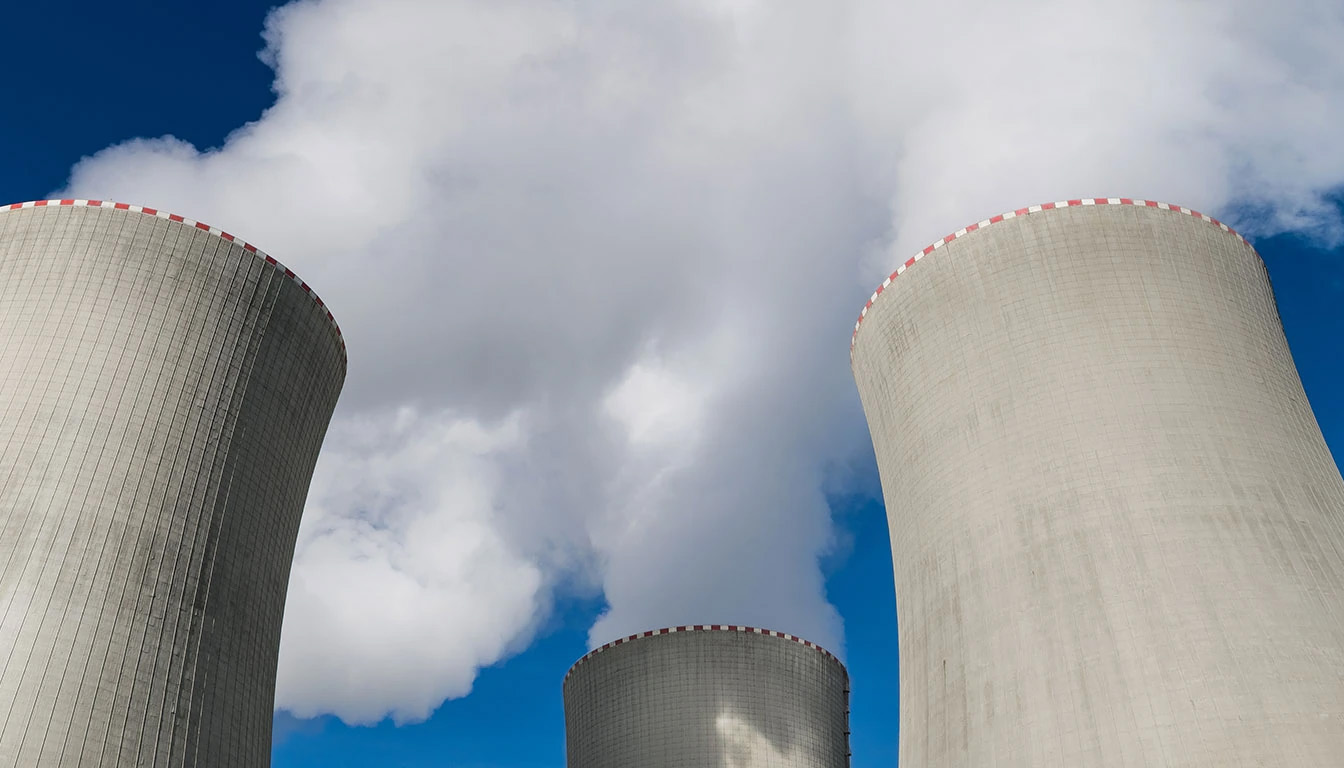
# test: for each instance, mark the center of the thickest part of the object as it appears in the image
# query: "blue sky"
(92, 77)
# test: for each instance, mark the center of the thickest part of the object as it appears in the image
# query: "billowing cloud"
(404, 565)
(597, 267)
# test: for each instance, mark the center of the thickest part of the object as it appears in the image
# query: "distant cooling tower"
(1118, 536)
(707, 696)
(164, 390)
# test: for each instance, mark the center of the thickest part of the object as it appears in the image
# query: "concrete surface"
(163, 395)
(1117, 533)
(707, 699)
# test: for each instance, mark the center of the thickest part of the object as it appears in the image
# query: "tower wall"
(164, 391)
(1117, 533)
(710, 696)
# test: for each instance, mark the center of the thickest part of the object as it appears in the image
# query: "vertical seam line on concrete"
(225, 490)
(44, 567)
(83, 506)
(121, 539)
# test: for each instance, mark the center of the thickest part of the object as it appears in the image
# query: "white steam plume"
(597, 267)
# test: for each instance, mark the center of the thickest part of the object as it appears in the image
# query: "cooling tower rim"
(192, 223)
(1084, 201)
(706, 628)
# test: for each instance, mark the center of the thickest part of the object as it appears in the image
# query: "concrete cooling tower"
(164, 390)
(707, 696)
(1117, 533)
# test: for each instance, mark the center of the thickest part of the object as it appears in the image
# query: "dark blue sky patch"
(82, 76)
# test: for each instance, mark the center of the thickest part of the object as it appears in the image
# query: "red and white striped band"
(705, 628)
(1027, 212)
(198, 225)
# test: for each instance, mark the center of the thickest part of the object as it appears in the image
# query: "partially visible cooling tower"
(1117, 533)
(707, 696)
(164, 390)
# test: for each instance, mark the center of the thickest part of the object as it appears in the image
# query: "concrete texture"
(707, 698)
(1117, 533)
(163, 395)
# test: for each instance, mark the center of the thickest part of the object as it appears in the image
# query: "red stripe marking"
(910, 262)
(1045, 207)
(72, 202)
(702, 627)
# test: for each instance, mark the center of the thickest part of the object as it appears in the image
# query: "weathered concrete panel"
(708, 697)
(1117, 533)
(163, 396)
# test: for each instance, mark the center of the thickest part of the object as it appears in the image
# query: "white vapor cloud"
(597, 265)
(400, 556)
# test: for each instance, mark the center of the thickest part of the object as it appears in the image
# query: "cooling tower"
(707, 696)
(1117, 533)
(164, 390)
